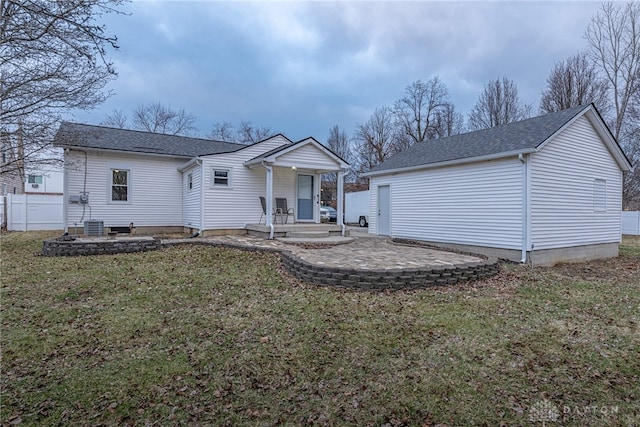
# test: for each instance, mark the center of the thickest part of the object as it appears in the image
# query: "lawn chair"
(282, 209)
(276, 214)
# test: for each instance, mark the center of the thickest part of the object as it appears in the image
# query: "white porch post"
(340, 197)
(269, 197)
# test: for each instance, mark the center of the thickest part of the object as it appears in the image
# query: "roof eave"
(484, 158)
(128, 152)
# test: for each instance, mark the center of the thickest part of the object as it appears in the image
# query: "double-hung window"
(119, 185)
(220, 177)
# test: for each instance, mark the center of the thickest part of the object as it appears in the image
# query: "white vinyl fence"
(631, 222)
(30, 212)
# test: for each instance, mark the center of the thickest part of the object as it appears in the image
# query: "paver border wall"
(392, 279)
(324, 275)
(374, 279)
(63, 246)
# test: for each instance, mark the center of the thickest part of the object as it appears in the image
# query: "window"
(600, 195)
(190, 181)
(220, 177)
(34, 179)
(119, 185)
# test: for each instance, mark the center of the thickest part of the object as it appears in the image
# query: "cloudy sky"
(302, 67)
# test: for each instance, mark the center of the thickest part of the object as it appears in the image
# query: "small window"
(190, 181)
(119, 185)
(600, 195)
(221, 178)
(34, 179)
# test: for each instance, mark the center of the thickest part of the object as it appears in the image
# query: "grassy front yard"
(207, 336)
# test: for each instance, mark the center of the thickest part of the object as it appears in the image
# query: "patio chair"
(282, 209)
(276, 214)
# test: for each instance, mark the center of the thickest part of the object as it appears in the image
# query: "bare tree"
(156, 117)
(417, 111)
(117, 119)
(377, 139)
(499, 104)
(448, 122)
(52, 60)
(574, 82)
(222, 131)
(613, 37)
(249, 134)
(339, 143)
(631, 189)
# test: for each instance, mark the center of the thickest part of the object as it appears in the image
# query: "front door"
(305, 197)
(384, 210)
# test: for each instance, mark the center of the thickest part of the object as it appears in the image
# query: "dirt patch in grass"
(211, 336)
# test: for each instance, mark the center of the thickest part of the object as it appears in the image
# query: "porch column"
(340, 197)
(269, 197)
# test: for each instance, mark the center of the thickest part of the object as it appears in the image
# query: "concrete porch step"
(325, 241)
(308, 234)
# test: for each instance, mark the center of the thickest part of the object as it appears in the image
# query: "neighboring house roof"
(78, 135)
(526, 136)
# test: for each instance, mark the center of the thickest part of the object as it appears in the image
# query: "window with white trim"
(600, 195)
(34, 179)
(119, 185)
(220, 177)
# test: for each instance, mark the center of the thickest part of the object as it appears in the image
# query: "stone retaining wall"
(63, 247)
(324, 275)
(409, 278)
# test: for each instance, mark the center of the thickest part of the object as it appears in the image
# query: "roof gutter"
(127, 152)
(451, 162)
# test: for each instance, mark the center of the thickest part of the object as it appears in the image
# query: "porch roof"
(306, 153)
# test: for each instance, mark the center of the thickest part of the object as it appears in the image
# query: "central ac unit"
(93, 228)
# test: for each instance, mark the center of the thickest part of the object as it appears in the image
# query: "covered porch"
(293, 172)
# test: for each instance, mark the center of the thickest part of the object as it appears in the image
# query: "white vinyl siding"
(191, 198)
(155, 190)
(564, 177)
(235, 208)
(308, 156)
(472, 204)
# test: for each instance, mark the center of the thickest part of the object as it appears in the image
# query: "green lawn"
(207, 336)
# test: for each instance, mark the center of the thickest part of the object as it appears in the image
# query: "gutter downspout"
(525, 208)
(340, 195)
(65, 191)
(269, 197)
(202, 176)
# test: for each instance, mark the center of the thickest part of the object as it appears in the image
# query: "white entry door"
(384, 210)
(305, 197)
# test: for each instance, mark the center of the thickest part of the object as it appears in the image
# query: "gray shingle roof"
(99, 137)
(514, 137)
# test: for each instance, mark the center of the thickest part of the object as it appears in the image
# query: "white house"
(163, 182)
(547, 189)
(45, 178)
